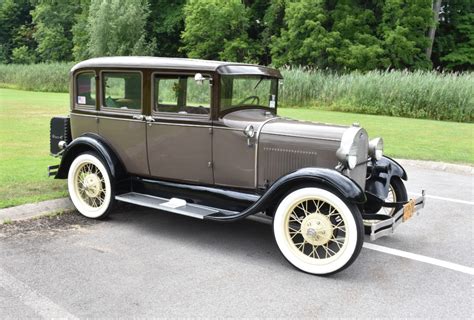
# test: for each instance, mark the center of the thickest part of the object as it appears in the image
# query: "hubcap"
(90, 185)
(316, 229)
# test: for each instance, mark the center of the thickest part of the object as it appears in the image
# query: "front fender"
(90, 142)
(332, 179)
(381, 172)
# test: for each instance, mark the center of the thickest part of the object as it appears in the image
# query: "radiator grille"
(279, 161)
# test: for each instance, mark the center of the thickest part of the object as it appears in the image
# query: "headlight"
(376, 148)
(347, 152)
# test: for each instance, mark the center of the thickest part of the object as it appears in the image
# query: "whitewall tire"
(90, 186)
(317, 232)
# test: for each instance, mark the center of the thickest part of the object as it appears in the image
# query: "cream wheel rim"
(90, 185)
(316, 229)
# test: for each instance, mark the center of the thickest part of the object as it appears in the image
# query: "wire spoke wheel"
(317, 231)
(89, 186)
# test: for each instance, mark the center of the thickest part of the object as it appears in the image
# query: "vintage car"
(203, 139)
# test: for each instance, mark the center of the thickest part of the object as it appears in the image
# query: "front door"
(179, 135)
(120, 119)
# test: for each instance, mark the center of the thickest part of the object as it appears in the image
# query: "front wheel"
(396, 193)
(90, 186)
(318, 232)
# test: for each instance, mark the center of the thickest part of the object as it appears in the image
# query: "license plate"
(408, 210)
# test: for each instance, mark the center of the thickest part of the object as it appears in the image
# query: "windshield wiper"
(258, 83)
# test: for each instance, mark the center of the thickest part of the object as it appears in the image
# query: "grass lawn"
(403, 137)
(24, 141)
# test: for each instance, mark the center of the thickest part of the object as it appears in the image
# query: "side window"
(85, 89)
(122, 90)
(181, 94)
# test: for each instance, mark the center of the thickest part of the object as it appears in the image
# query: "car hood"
(267, 123)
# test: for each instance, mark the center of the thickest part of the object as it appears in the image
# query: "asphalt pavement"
(147, 263)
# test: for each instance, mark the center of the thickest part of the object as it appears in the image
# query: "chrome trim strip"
(301, 136)
(157, 121)
(257, 140)
(108, 118)
(134, 120)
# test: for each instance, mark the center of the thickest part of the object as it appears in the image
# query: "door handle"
(138, 117)
(149, 119)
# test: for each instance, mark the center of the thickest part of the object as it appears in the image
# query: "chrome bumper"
(386, 227)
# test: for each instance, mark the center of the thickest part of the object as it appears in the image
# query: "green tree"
(80, 34)
(403, 29)
(454, 42)
(22, 55)
(53, 21)
(165, 24)
(328, 35)
(273, 22)
(218, 30)
(15, 28)
(117, 27)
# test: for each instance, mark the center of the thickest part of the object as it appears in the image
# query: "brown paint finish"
(205, 149)
(128, 138)
(180, 151)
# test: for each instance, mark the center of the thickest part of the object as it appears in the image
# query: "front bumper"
(385, 227)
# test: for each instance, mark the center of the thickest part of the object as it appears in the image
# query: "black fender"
(91, 142)
(331, 179)
(397, 169)
(378, 183)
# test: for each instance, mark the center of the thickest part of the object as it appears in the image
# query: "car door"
(120, 120)
(179, 136)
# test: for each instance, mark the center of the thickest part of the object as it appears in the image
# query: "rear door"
(120, 120)
(179, 136)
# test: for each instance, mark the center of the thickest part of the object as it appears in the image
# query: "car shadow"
(246, 237)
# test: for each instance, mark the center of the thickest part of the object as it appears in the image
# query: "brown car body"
(224, 161)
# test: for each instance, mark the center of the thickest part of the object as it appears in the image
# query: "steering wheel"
(252, 98)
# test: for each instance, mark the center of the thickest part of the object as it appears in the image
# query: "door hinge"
(210, 164)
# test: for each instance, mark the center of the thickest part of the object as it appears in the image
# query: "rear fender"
(91, 142)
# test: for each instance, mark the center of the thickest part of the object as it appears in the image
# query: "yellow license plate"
(408, 210)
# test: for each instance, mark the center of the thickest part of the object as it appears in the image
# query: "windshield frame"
(222, 113)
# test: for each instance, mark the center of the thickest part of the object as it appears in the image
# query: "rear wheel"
(318, 232)
(90, 186)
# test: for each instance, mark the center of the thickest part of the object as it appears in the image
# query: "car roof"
(176, 64)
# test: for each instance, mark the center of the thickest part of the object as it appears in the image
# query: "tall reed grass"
(48, 77)
(419, 94)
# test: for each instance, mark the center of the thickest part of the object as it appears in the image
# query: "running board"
(174, 205)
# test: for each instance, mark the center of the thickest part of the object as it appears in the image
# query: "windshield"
(248, 91)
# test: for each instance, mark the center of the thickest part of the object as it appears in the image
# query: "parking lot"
(144, 263)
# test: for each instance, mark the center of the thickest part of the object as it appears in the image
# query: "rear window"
(122, 90)
(85, 89)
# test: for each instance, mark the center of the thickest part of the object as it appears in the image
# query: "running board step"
(175, 205)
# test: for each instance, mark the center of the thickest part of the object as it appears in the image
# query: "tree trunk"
(432, 30)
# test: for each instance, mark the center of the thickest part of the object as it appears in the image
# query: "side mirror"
(199, 78)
